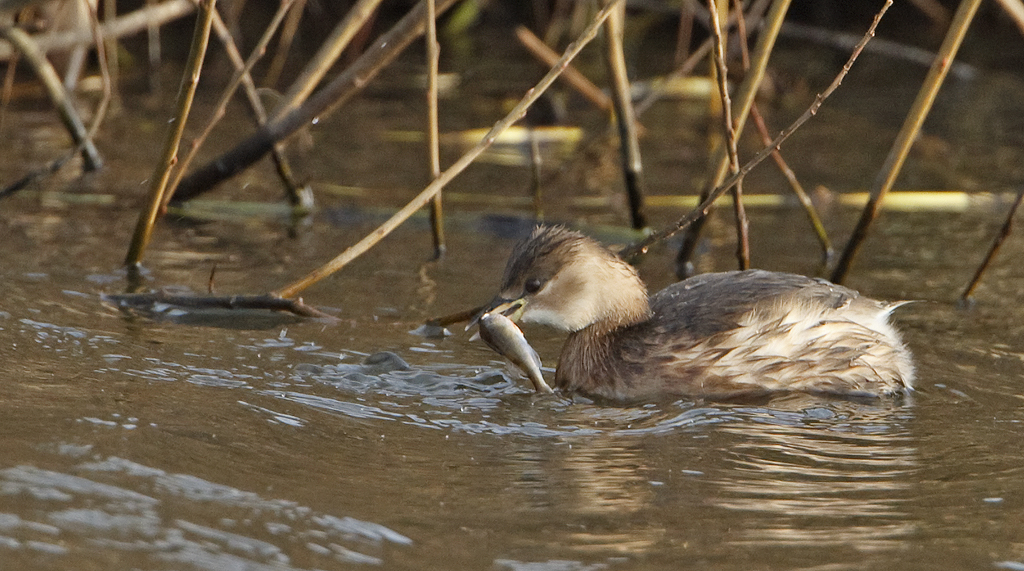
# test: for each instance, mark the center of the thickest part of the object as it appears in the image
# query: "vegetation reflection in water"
(793, 458)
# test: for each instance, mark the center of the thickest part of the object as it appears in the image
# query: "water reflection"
(828, 475)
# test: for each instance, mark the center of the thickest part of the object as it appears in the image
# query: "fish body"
(505, 337)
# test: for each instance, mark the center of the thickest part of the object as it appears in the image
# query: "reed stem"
(744, 100)
(908, 133)
(169, 155)
(625, 117)
(433, 135)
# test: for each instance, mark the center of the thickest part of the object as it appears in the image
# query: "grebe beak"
(510, 308)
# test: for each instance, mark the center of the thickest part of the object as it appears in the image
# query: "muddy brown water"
(183, 441)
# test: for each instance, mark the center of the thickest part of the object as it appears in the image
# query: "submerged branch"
(234, 302)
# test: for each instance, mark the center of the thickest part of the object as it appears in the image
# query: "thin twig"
(705, 205)
(107, 79)
(169, 156)
(1004, 232)
(464, 161)
(908, 133)
(433, 136)
(107, 53)
(629, 145)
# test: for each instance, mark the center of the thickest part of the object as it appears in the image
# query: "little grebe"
(718, 335)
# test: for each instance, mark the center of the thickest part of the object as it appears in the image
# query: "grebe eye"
(532, 285)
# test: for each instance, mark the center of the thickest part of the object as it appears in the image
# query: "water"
(193, 441)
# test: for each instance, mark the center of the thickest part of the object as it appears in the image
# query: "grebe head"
(564, 279)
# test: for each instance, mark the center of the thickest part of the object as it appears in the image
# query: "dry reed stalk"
(8, 88)
(572, 76)
(684, 69)
(798, 189)
(153, 52)
(320, 104)
(744, 100)
(109, 50)
(629, 144)
(684, 34)
(722, 74)
(284, 45)
(780, 163)
(241, 77)
(58, 95)
(433, 135)
(1015, 10)
(755, 11)
(107, 79)
(98, 115)
(169, 156)
(428, 193)
(908, 133)
(293, 189)
(1004, 232)
(934, 10)
(128, 24)
(329, 52)
(881, 46)
(697, 213)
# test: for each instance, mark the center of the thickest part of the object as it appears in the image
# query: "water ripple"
(96, 512)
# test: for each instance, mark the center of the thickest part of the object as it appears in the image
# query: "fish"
(504, 336)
